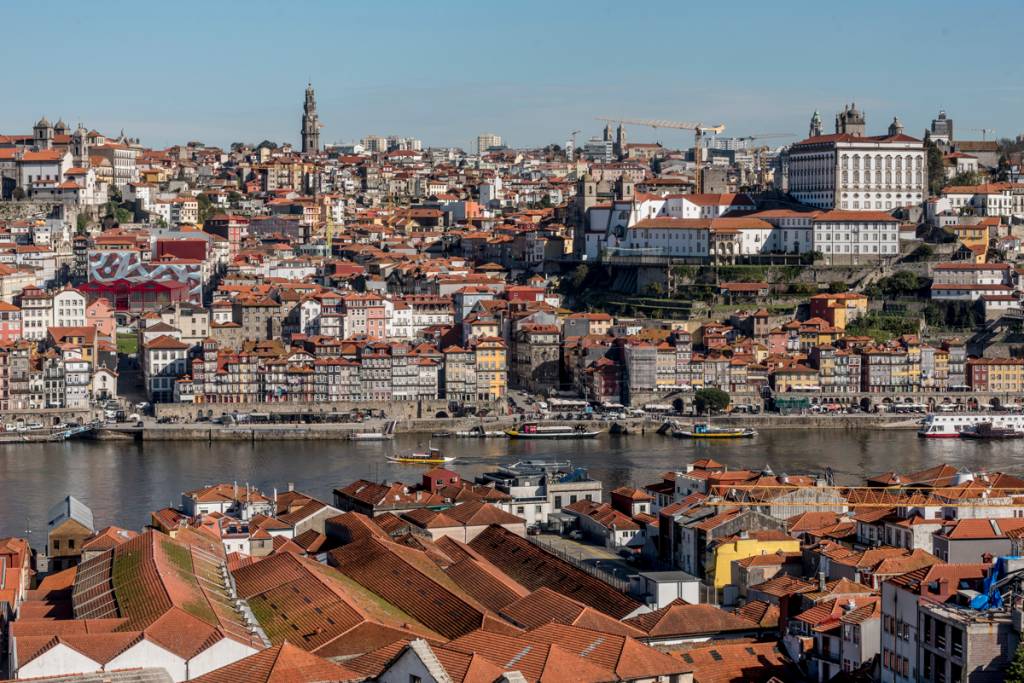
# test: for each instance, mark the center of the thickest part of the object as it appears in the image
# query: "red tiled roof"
(680, 618)
(545, 606)
(739, 663)
(534, 568)
(283, 663)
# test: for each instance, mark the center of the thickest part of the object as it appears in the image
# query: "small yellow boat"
(432, 457)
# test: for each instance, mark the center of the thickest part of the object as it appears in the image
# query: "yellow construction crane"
(330, 233)
(699, 129)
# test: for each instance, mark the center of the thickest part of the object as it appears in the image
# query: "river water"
(123, 482)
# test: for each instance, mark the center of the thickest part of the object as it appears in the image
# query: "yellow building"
(666, 365)
(795, 378)
(491, 368)
(724, 551)
(998, 375)
(839, 310)
(816, 332)
(970, 234)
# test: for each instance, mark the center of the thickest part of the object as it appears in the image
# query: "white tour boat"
(951, 425)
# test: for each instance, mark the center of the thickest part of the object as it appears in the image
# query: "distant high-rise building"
(375, 144)
(598, 149)
(486, 141)
(310, 123)
(942, 129)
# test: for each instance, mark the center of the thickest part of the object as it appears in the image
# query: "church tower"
(80, 146)
(620, 142)
(896, 127)
(815, 128)
(850, 121)
(310, 123)
(42, 134)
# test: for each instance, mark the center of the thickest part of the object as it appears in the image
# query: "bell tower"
(815, 128)
(42, 134)
(310, 123)
(80, 146)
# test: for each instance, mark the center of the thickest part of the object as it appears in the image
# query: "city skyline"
(531, 75)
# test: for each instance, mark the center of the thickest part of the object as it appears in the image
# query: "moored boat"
(706, 431)
(478, 432)
(953, 425)
(985, 430)
(531, 430)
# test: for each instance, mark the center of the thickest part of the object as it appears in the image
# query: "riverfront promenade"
(206, 431)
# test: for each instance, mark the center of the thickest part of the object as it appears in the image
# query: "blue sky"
(444, 71)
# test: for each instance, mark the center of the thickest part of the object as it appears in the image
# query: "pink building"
(10, 322)
(100, 313)
(364, 314)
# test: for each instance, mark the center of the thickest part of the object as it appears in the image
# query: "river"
(123, 482)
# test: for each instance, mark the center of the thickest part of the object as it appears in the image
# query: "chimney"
(234, 490)
(291, 486)
(275, 499)
(850, 605)
(821, 582)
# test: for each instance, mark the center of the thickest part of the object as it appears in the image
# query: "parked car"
(533, 530)
(576, 535)
(34, 425)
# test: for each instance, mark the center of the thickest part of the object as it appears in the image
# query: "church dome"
(43, 123)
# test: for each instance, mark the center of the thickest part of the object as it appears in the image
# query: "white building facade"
(858, 173)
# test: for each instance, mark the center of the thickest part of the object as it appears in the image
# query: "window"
(413, 678)
(56, 544)
(71, 544)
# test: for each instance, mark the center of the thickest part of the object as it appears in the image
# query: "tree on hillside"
(710, 399)
(579, 276)
(206, 207)
(936, 167)
(967, 178)
(1015, 672)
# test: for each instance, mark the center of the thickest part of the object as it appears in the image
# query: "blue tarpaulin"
(992, 598)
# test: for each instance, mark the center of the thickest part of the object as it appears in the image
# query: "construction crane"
(699, 129)
(765, 136)
(329, 238)
(758, 170)
(984, 131)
